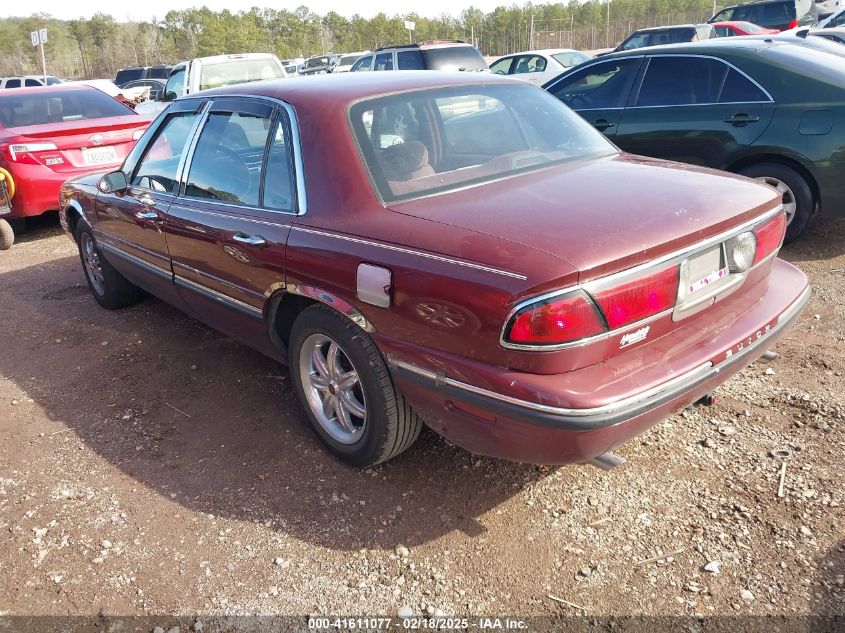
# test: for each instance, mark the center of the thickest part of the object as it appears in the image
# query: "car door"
(598, 91)
(228, 229)
(129, 224)
(693, 109)
(383, 61)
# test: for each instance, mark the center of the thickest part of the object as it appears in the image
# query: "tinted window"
(454, 58)
(409, 60)
(175, 84)
(158, 72)
(681, 81)
(13, 83)
(31, 83)
(128, 74)
(637, 40)
(362, 64)
(725, 15)
(739, 89)
(435, 140)
(226, 165)
(604, 85)
(279, 189)
(503, 66)
(158, 168)
(384, 61)
(46, 106)
(839, 20)
(239, 71)
(723, 31)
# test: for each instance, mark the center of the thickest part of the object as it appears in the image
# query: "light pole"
(607, 27)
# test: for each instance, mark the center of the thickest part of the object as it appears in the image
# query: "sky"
(147, 9)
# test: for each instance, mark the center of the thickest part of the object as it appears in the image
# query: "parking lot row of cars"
(531, 280)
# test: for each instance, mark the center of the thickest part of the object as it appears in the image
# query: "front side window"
(31, 83)
(158, 168)
(362, 64)
(503, 66)
(227, 161)
(572, 58)
(725, 15)
(599, 86)
(529, 64)
(384, 61)
(724, 31)
(637, 40)
(440, 139)
(672, 81)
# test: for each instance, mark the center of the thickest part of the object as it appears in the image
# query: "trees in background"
(98, 46)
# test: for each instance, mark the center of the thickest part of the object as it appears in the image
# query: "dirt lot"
(149, 465)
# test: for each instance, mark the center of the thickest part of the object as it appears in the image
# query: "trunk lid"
(82, 144)
(602, 216)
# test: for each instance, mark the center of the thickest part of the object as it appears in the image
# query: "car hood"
(602, 215)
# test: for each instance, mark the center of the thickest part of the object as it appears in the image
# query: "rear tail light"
(769, 237)
(553, 321)
(635, 300)
(793, 25)
(23, 152)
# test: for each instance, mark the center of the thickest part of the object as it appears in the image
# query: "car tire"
(347, 393)
(111, 289)
(798, 199)
(7, 235)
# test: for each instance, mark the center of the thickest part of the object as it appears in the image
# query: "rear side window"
(452, 58)
(279, 189)
(19, 110)
(410, 60)
(740, 89)
(128, 74)
(227, 162)
(159, 165)
(672, 81)
(599, 86)
(13, 83)
(158, 72)
(32, 83)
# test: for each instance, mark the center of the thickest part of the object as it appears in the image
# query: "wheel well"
(781, 160)
(73, 216)
(283, 312)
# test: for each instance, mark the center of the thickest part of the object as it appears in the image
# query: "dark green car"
(771, 110)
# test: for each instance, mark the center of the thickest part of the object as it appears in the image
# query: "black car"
(438, 55)
(769, 108)
(659, 35)
(134, 73)
(771, 14)
(319, 64)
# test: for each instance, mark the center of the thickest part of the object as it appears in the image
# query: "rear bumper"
(495, 423)
(36, 190)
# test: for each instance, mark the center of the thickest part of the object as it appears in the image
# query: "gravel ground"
(150, 466)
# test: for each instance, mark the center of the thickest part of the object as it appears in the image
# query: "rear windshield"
(427, 141)
(239, 71)
(128, 74)
(454, 58)
(158, 72)
(20, 110)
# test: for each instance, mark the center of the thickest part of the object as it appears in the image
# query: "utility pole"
(607, 27)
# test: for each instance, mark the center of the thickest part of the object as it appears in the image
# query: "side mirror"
(113, 182)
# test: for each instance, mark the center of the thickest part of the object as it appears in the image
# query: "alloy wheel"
(787, 197)
(332, 388)
(93, 265)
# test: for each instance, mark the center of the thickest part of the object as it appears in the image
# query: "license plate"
(705, 269)
(99, 155)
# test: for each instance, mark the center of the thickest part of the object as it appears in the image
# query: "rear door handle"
(741, 118)
(603, 124)
(147, 215)
(249, 240)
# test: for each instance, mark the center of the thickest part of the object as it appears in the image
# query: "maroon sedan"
(460, 251)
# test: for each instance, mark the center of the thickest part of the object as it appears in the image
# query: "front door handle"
(249, 240)
(742, 118)
(603, 124)
(146, 199)
(147, 215)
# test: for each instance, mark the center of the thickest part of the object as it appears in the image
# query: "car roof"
(348, 87)
(426, 44)
(544, 51)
